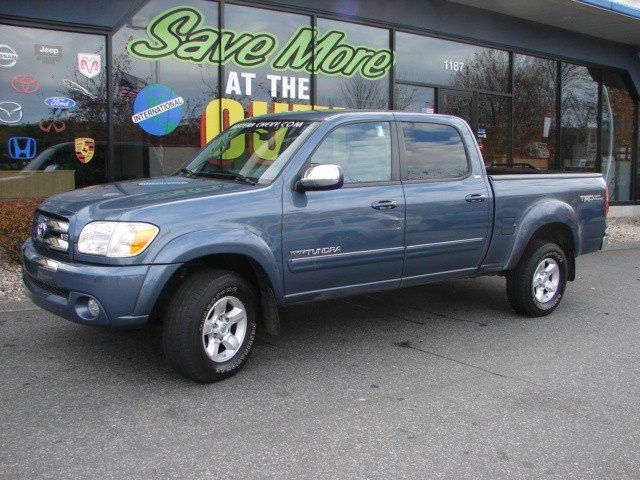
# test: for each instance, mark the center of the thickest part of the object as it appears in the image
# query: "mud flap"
(270, 318)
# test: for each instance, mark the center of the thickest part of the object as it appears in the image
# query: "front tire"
(210, 325)
(536, 286)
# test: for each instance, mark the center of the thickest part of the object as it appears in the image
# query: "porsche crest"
(85, 147)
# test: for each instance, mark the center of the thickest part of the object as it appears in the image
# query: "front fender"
(240, 241)
(538, 215)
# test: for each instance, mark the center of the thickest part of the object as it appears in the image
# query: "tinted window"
(166, 141)
(433, 151)
(579, 117)
(444, 62)
(363, 150)
(534, 139)
(52, 93)
(354, 91)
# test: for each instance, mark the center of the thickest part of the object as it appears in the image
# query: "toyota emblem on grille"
(41, 229)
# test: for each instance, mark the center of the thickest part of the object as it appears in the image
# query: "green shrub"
(15, 225)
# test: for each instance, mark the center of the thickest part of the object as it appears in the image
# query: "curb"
(623, 246)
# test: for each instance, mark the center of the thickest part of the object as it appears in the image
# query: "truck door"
(448, 203)
(350, 239)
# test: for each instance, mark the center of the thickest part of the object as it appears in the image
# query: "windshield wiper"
(236, 176)
(185, 170)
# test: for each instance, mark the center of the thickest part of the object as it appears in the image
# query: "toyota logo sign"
(25, 84)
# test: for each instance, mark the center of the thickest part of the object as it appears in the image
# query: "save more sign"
(180, 33)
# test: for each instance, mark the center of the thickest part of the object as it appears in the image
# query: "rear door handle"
(475, 197)
(384, 204)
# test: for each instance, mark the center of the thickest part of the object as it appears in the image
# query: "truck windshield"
(252, 152)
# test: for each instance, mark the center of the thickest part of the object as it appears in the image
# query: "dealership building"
(100, 91)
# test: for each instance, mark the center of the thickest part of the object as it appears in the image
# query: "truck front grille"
(52, 289)
(51, 233)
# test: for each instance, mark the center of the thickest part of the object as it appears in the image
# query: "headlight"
(116, 239)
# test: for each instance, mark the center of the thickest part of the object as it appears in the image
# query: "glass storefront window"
(579, 125)
(52, 112)
(271, 90)
(146, 76)
(618, 125)
(493, 129)
(448, 63)
(351, 87)
(414, 99)
(534, 97)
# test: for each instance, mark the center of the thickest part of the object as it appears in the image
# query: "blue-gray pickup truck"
(303, 206)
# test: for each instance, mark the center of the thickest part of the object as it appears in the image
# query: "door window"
(362, 150)
(433, 151)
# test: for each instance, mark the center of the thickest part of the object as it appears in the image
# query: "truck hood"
(109, 201)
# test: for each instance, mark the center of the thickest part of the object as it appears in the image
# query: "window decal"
(179, 33)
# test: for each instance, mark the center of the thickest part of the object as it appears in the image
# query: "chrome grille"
(51, 233)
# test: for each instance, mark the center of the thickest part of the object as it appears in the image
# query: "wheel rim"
(224, 329)
(546, 280)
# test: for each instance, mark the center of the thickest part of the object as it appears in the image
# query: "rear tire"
(536, 286)
(210, 325)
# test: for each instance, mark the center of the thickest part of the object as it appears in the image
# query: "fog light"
(93, 307)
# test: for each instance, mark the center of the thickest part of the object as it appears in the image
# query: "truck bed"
(524, 202)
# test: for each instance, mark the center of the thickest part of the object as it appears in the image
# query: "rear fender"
(537, 216)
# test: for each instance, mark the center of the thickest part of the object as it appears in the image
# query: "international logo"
(85, 148)
(157, 109)
(48, 53)
(25, 84)
(89, 64)
(62, 103)
(56, 125)
(10, 112)
(8, 56)
(22, 148)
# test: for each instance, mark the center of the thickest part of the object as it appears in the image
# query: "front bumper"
(125, 294)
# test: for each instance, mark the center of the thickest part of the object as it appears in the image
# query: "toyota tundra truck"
(303, 206)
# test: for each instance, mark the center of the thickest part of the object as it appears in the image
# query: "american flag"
(130, 85)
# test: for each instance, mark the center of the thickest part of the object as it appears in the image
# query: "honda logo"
(22, 148)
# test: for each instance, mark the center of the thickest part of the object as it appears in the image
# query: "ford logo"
(60, 102)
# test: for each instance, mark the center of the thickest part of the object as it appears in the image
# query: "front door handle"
(384, 204)
(475, 197)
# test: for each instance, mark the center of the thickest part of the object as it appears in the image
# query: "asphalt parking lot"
(442, 381)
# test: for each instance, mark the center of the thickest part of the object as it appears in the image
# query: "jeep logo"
(48, 53)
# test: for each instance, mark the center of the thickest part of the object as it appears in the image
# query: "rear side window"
(362, 150)
(433, 151)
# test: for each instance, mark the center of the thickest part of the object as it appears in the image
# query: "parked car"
(303, 206)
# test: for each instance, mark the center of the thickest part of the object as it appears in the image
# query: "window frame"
(395, 161)
(403, 156)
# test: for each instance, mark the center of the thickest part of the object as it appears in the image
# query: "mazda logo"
(10, 112)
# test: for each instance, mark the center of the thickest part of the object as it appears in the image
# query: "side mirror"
(321, 177)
